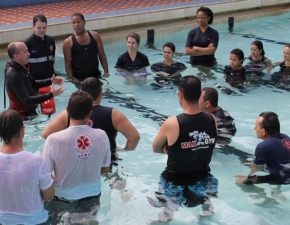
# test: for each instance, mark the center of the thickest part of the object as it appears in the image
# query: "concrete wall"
(14, 3)
(141, 19)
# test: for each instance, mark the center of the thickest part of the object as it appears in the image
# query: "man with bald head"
(22, 89)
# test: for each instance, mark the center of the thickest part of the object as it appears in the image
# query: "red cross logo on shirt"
(83, 143)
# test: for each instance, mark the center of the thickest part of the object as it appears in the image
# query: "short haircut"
(169, 45)
(40, 18)
(259, 45)
(287, 45)
(211, 95)
(238, 52)
(93, 86)
(190, 86)
(135, 36)
(80, 15)
(206, 11)
(10, 125)
(12, 49)
(79, 105)
(270, 123)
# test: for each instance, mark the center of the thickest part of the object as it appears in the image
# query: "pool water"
(125, 191)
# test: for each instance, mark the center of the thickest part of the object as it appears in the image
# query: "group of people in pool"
(80, 142)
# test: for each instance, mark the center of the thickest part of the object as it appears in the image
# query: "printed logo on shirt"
(201, 140)
(90, 123)
(286, 143)
(51, 48)
(8, 159)
(83, 145)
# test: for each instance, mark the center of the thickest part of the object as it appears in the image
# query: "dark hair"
(238, 52)
(190, 86)
(207, 12)
(169, 45)
(270, 123)
(211, 95)
(259, 45)
(10, 125)
(40, 18)
(93, 86)
(79, 105)
(135, 36)
(77, 14)
(287, 45)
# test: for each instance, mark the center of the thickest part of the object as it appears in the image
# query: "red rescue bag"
(47, 107)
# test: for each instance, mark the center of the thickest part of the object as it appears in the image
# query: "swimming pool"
(123, 199)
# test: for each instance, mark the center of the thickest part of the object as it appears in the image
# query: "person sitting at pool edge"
(208, 102)
(108, 119)
(25, 181)
(81, 52)
(22, 89)
(79, 154)
(273, 153)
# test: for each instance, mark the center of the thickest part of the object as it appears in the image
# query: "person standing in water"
(168, 70)
(202, 41)
(132, 64)
(26, 181)
(188, 139)
(284, 73)
(132, 59)
(42, 50)
(82, 51)
(258, 60)
(235, 73)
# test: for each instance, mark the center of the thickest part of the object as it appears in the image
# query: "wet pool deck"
(114, 18)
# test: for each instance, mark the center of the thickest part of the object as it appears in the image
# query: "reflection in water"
(66, 212)
(118, 183)
(138, 77)
(244, 157)
(131, 103)
(171, 196)
(260, 193)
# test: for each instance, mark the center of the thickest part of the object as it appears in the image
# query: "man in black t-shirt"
(189, 140)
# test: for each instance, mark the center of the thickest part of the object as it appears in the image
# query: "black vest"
(190, 155)
(85, 60)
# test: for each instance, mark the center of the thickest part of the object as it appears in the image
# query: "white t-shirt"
(77, 155)
(22, 176)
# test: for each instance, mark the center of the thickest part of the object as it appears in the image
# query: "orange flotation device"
(48, 106)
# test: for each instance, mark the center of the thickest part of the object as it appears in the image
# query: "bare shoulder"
(67, 41)
(95, 34)
(171, 122)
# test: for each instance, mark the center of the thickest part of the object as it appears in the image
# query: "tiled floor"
(64, 9)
